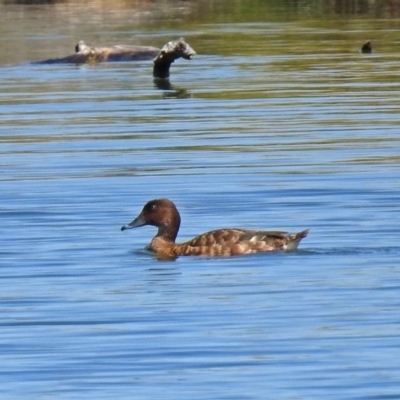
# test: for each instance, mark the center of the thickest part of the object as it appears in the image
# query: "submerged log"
(163, 58)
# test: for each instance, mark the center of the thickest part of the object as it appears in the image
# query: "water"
(291, 133)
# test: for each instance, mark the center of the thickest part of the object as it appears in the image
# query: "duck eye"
(152, 207)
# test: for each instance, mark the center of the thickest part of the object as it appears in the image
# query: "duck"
(163, 214)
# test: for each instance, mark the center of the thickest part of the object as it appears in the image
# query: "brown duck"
(163, 214)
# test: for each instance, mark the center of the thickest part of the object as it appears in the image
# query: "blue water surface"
(88, 313)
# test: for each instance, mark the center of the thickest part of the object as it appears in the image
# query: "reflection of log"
(170, 92)
(162, 61)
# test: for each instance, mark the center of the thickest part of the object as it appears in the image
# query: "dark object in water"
(366, 48)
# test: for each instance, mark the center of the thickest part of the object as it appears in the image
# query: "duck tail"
(302, 234)
(294, 240)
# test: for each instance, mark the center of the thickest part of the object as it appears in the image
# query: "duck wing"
(242, 241)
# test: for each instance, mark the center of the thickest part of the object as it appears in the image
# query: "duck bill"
(139, 221)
